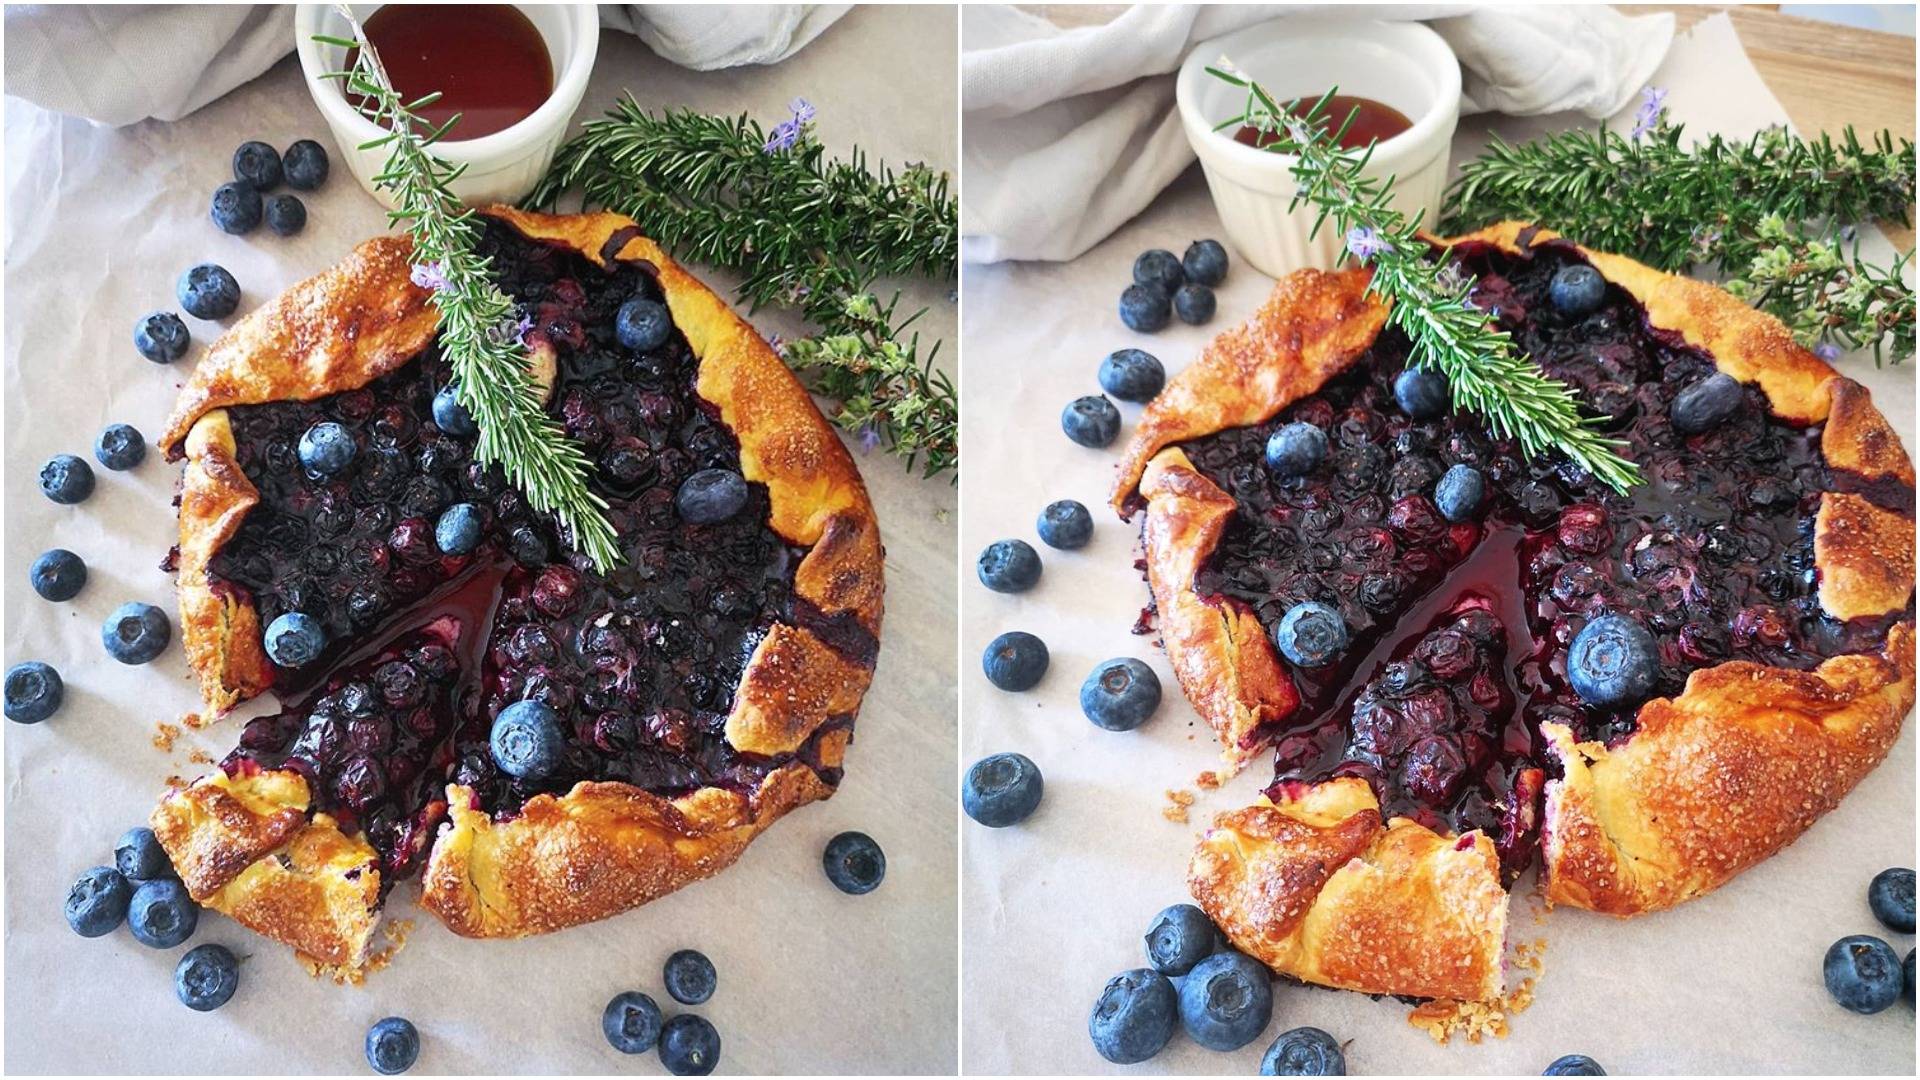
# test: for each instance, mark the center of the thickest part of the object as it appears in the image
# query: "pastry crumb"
(163, 736)
(194, 720)
(1444, 1018)
(199, 757)
(394, 930)
(1208, 780)
(175, 782)
(1177, 802)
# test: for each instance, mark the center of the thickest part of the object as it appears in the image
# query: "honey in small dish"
(488, 62)
(1372, 121)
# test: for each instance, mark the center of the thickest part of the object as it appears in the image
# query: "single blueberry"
(1134, 1016)
(1707, 404)
(161, 914)
(1459, 492)
(1158, 268)
(689, 1046)
(1613, 661)
(711, 496)
(631, 1022)
(1065, 524)
(66, 479)
(206, 977)
(34, 692)
(327, 449)
(139, 857)
(458, 530)
(305, 165)
(393, 1045)
(236, 208)
(58, 575)
(1091, 421)
(1296, 449)
(1009, 566)
(285, 214)
(1577, 290)
(208, 291)
(1226, 1001)
(1907, 974)
(258, 164)
(1891, 898)
(1132, 374)
(120, 447)
(1205, 262)
(161, 337)
(1304, 1051)
(1311, 634)
(1194, 304)
(854, 863)
(1421, 393)
(136, 633)
(642, 325)
(295, 639)
(1863, 973)
(1145, 308)
(527, 741)
(1180, 937)
(527, 546)
(690, 977)
(1120, 694)
(1015, 661)
(98, 901)
(1002, 790)
(450, 416)
(1574, 1065)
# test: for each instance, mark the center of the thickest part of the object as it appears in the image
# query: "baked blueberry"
(1159, 269)
(527, 741)
(139, 857)
(527, 546)
(1707, 404)
(393, 1045)
(120, 447)
(305, 165)
(1194, 304)
(642, 325)
(1311, 634)
(236, 208)
(1205, 262)
(161, 337)
(1576, 290)
(1132, 374)
(58, 575)
(458, 530)
(258, 164)
(1613, 661)
(1009, 566)
(208, 291)
(1134, 1016)
(161, 914)
(1421, 393)
(450, 416)
(1296, 449)
(1001, 790)
(34, 692)
(1015, 661)
(1863, 973)
(689, 1046)
(1120, 694)
(1304, 1051)
(66, 479)
(1226, 1001)
(295, 639)
(689, 977)
(854, 863)
(1574, 1064)
(1065, 524)
(1891, 898)
(631, 1022)
(1145, 308)
(1459, 493)
(206, 977)
(711, 496)
(1091, 421)
(98, 901)
(285, 214)
(136, 633)
(327, 448)
(1180, 937)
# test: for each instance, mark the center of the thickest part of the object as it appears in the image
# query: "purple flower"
(430, 275)
(779, 346)
(506, 331)
(1364, 243)
(801, 108)
(869, 438)
(788, 132)
(1827, 351)
(1653, 103)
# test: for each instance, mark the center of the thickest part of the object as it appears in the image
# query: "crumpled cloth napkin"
(1071, 132)
(123, 64)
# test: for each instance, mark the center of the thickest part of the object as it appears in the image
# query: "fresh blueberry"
(458, 530)
(1296, 449)
(1132, 374)
(58, 575)
(1180, 937)
(327, 449)
(1194, 304)
(1091, 421)
(1145, 308)
(139, 856)
(98, 901)
(66, 479)
(1891, 898)
(1613, 661)
(1205, 262)
(236, 208)
(689, 1046)
(206, 977)
(1134, 1017)
(1009, 566)
(1015, 661)
(1226, 1001)
(527, 741)
(450, 416)
(1422, 394)
(208, 291)
(305, 165)
(690, 977)
(1906, 971)
(1304, 1051)
(631, 1022)
(642, 325)
(136, 633)
(120, 447)
(854, 863)
(1159, 269)
(1707, 404)
(1574, 1064)
(1577, 290)
(393, 1045)
(1120, 694)
(1459, 492)
(1311, 634)
(1863, 973)
(161, 337)
(711, 496)
(34, 692)
(285, 214)
(162, 915)
(295, 639)
(258, 164)
(1065, 524)
(1001, 790)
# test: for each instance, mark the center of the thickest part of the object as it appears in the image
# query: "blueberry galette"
(543, 744)
(1462, 657)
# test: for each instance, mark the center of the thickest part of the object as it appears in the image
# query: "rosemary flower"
(430, 275)
(1827, 350)
(1653, 106)
(788, 132)
(1365, 243)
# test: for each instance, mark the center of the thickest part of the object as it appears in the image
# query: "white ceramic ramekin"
(501, 167)
(1404, 65)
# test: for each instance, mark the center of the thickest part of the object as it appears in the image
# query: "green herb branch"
(1448, 334)
(480, 332)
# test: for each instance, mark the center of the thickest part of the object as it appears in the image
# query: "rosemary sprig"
(1831, 299)
(480, 333)
(1448, 334)
(885, 394)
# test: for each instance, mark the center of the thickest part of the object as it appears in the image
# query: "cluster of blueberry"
(688, 1044)
(1164, 286)
(1864, 973)
(240, 204)
(141, 889)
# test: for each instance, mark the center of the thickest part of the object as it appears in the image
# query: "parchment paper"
(100, 223)
(1054, 907)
